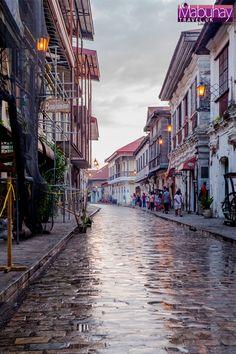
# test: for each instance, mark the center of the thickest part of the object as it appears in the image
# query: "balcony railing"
(122, 174)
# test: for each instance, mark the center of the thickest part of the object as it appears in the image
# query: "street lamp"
(96, 164)
(169, 128)
(201, 89)
(161, 140)
(42, 44)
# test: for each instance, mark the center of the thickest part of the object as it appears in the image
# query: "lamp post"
(96, 163)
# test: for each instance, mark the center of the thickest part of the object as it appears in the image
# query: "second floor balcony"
(122, 176)
(158, 163)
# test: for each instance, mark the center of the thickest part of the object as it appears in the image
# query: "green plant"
(85, 220)
(206, 202)
(47, 204)
(60, 168)
(217, 120)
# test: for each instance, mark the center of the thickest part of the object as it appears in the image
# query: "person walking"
(133, 199)
(203, 195)
(178, 203)
(152, 202)
(166, 200)
(203, 192)
(144, 200)
(147, 201)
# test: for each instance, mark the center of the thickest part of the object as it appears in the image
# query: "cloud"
(135, 41)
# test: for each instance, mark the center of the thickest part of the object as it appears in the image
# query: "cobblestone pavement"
(133, 284)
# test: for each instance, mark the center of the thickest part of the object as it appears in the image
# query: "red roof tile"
(129, 148)
(102, 173)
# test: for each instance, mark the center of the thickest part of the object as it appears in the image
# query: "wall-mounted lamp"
(42, 44)
(205, 90)
(201, 89)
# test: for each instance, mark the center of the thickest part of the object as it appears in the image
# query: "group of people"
(159, 201)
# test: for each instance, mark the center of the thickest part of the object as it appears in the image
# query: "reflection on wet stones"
(132, 284)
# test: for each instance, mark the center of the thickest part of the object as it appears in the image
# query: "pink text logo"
(205, 13)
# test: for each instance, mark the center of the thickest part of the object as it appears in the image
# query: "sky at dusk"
(135, 40)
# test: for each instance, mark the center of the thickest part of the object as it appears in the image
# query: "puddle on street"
(137, 284)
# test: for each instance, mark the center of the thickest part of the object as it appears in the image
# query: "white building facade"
(189, 156)
(122, 173)
(221, 42)
(142, 169)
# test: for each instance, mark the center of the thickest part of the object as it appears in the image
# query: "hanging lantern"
(42, 44)
(201, 90)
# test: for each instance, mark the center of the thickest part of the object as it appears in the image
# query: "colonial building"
(189, 156)
(122, 173)
(96, 180)
(220, 39)
(45, 96)
(142, 167)
(158, 120)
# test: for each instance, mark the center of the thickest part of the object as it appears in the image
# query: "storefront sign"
(55, 106)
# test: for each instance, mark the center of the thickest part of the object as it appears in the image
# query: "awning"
(90, 56)
(189, 164)
(85, 19)
(171, 172)
(94, 129)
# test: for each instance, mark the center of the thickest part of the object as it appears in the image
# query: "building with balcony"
(46, 96)
(142, 167)
(66, 114)
(158, 119)
(220, 40)
(96, 181)
(189, 156)
(122, 173)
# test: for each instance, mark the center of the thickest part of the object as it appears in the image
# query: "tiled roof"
(102, 173)
(129, 148)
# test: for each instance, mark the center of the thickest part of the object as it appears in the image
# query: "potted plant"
(206, 206)
(84, 221)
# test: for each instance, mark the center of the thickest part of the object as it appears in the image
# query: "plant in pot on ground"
(206, 206)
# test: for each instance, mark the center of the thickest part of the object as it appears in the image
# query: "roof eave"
(180, 60)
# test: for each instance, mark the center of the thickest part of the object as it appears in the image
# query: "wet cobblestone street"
(133, 284)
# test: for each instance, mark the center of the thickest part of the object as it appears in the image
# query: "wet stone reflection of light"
(132, 284)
